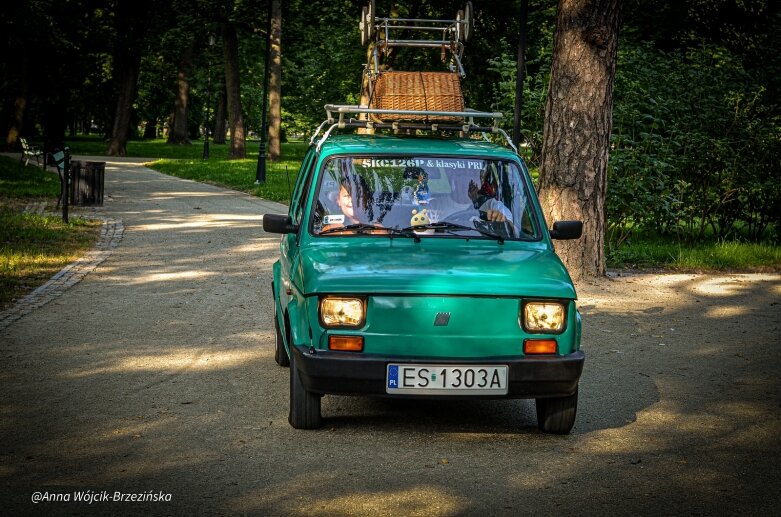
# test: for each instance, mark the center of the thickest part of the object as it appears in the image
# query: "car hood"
(433, 266)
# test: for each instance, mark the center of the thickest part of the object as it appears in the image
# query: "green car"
(422, 267)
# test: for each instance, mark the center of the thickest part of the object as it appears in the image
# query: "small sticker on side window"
(333, 219)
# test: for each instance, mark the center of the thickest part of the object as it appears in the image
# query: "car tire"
(304, 405)
(557, 415)
(280, 354)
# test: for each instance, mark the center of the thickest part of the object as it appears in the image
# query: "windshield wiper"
(452, 228)
(364, 228)
(357, 228)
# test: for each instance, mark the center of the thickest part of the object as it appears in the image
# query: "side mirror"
(564, 230)
(277, 223)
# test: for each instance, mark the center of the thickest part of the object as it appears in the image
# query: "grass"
(34, 247)
(21, 181)
(708, 256)
(240, 174)
(155, 149)
(185, 162)
(158, 149)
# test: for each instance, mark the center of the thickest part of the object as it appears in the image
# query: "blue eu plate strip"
(393, 376)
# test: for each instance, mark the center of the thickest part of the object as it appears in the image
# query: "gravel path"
(154, 375)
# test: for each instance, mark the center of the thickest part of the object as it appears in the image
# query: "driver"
(468, 200)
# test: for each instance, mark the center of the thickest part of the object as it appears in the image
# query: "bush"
(695, 150)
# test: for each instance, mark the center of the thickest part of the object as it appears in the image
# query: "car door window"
(298, 200)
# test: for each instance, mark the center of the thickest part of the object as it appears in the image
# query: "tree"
(178, 134)
(577, 128)
(131, 29)
(154, 90)
(126, 67)
(238, 145)
(19, 107)
(44, 74)
(275, 82)
(315, 83)
(219, 114)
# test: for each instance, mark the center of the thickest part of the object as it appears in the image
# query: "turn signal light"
(346, 343)
(539, 346)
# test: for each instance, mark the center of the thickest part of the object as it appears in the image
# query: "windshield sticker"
(333, 219)
(442, 163)
(455, 164)
(391, 162)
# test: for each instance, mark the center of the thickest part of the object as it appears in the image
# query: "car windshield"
(423, 196)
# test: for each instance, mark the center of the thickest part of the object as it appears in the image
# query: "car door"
(289, 248)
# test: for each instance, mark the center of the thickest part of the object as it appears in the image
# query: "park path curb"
(110, 235)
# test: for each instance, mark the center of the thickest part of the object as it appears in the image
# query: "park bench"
(57, 158)
(30, 151)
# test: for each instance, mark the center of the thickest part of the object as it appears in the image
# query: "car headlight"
(336, 311)
(547, 317)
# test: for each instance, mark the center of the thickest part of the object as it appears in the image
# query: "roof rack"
(468, 126)
(400, 95)
(444, 34)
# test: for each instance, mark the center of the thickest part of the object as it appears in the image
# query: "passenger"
(349, 211)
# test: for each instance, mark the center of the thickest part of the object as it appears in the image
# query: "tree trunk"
(126, 69)
(235, 116)
(520, 68)
(219, 116)
(578, 123)
(14, 132)
(150, 130)
(275, 83)
(178, 134)
(20, 106)
(55, 123)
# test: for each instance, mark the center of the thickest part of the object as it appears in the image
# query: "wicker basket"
(419, 91)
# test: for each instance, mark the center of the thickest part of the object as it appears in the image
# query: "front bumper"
(358, 374)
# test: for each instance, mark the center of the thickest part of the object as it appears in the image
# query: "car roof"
(412, 145)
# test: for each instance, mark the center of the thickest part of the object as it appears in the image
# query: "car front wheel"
(304, 405)
(280, 354)
(557, 415)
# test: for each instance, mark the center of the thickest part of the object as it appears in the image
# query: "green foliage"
(696, 140)
(539, 47)
(695, 147)
(322, 57)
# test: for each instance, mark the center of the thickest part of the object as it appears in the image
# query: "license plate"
(442, 379)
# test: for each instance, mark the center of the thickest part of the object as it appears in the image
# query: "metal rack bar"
(353, 123)
(469, 125)
(419, 28)
(415, 43)
(345, 108)
(319, 128)
(413, 20)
